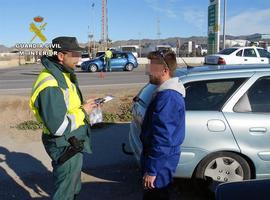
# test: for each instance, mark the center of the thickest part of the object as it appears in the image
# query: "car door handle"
(245, 59)
(258, 129)
(262, 60)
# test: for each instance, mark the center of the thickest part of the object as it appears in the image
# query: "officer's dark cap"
(65, 43)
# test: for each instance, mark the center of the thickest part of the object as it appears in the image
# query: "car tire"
(223, 167)
(92, 68)
(129, 67)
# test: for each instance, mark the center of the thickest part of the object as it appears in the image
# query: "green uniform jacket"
(52, 109)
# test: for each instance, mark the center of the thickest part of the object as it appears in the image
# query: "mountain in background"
(173, 41)
(4, 49)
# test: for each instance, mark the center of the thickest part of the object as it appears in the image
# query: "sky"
(127, 19)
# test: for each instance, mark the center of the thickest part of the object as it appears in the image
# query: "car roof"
(237, 47)
(221, 69)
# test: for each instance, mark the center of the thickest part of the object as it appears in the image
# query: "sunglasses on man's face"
(72, 53)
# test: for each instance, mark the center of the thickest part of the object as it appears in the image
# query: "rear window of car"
(227, 51)
(131, 49)
(239, 53)
(210, 94)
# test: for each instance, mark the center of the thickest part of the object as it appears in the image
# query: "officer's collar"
(56, 70)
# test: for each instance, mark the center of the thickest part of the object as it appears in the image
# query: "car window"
(118, 55)
(210, 94)
(239, 53)
(85, 56)
(250, 53)
(131, 49)
(263, 53)
(227, 51)
(256, 99)
(100, 54)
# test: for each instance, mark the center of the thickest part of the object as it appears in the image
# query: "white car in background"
(84, 57)
(239, 55)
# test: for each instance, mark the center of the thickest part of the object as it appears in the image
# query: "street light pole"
(224, 24)
(93, 18)
(140, 48)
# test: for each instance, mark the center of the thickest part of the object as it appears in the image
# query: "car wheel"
(129, 67)
(92, 68)
(224, 167)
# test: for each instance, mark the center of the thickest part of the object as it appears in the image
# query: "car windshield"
(204, 46)
(227, 51)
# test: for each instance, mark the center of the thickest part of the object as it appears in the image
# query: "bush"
(124, 114)
(29, 125)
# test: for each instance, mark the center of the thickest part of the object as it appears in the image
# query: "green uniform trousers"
(67, 178)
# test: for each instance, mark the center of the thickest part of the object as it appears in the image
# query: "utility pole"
(104, 36)
(93, 17)
(224, 23)
(140, 48)
(158, 30)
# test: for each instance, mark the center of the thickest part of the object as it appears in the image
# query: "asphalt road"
(22, 77)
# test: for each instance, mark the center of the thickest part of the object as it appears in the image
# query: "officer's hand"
(148, 181)
(89, 105)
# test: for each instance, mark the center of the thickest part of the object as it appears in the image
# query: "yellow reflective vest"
(74, 115)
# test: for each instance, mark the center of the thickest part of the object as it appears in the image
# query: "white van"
(130, 48)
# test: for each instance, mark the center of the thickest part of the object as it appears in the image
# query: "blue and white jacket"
(163, 131)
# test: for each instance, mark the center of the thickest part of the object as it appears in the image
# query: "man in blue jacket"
(163, 127)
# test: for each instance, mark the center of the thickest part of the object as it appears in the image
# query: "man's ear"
(60, 56)
(166, 70)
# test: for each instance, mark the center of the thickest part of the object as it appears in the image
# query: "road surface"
(23, 77)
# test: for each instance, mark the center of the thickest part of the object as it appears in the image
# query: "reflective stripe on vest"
(74, 115)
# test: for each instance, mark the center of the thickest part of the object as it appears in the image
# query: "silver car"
(227, 122)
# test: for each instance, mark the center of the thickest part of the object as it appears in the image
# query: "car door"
(206, 126)
(118, 60)
(264, 56)
(249, 120)
(250, 56)
(207, 130)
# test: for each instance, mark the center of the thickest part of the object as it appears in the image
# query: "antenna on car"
(188, 66)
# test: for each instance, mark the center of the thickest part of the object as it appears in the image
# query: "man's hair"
(167, 57)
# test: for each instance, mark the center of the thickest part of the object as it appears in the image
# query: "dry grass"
(15, 109)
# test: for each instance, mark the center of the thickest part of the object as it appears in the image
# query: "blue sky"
(128, 19)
